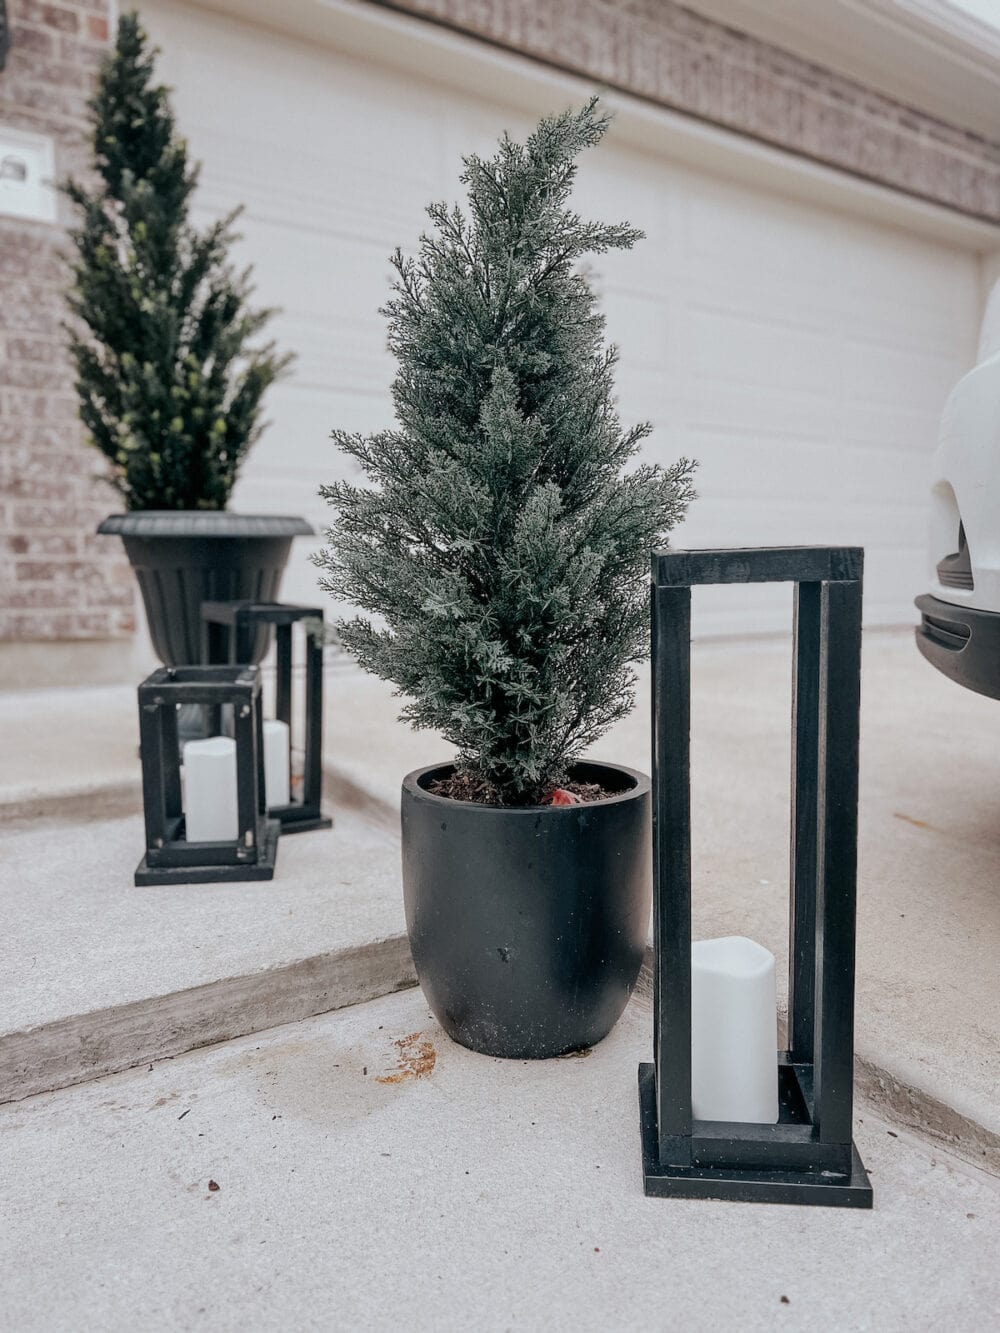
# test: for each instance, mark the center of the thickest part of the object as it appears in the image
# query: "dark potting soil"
(468, 787)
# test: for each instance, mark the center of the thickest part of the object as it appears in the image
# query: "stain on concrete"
(908, 819)
(163, 1101)
(415, 1058)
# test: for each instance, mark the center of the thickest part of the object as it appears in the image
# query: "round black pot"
(182, 558)
(528, 926)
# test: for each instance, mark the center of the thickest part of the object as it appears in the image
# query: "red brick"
(30, 307)
(97, 28)
(33, 437)
(44, 98)
(45, 350)
(56, 73)
(31, 252)
(69, 574)
(50, 16)
(38, 597)
(40, 543)
(25, 38)
(49, 627)
(30, 375)
(27, 515)
(25, 403)
(103, 596)
(84, 55)
(37, 488)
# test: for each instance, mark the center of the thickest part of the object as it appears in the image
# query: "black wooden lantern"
(230, 630)
(170, 858)
(808, 1157)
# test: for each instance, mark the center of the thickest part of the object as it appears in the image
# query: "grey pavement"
(928, 1013)
(371, 1175)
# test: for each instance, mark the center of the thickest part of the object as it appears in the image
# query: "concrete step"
(97, 975)
(928, 1006)
(359, 1170)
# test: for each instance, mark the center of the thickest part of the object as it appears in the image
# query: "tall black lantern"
(170, 858)
(809, 1156)
(230, 629)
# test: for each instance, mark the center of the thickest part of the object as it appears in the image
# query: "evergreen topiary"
(170, 386)
(502, 546)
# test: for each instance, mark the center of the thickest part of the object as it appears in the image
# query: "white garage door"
(803, 356)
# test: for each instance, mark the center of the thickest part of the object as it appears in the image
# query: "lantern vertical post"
(837, 861)
(671, 664)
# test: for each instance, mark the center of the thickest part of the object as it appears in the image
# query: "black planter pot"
(185, 557)
(528, 926)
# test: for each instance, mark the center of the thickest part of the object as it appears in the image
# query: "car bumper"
(962, 642)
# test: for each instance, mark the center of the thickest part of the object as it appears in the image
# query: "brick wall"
(670, 55)
(57, 579)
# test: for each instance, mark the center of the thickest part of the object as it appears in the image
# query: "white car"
(959, 631)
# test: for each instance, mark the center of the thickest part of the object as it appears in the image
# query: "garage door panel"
(823, 521)
(640, 328)
(311, 271)
(776, 239)
(800, 468)
(846, 268)
(876, 371)
(298, 440)
(383, 204)
(897, 426)
(346, 356)
(289, 94)
(734, 347)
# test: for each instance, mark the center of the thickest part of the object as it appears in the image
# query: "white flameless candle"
(210, 790)
(277, 773)
(734, 1031)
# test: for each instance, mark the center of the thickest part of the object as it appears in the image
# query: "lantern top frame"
(200, 685)
(757, 564)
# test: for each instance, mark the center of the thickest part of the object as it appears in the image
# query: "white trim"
(385, 37)
(924, 53)
(957, 25)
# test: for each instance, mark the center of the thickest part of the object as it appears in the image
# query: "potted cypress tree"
(169, 376)
(502, 548)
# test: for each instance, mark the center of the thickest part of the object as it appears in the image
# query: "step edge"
(90, 1046)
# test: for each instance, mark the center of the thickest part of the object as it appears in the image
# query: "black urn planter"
(182, 558)
(528, 926)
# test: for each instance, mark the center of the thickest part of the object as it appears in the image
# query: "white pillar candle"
(210, 790)
(277, 763)
(734, 1031)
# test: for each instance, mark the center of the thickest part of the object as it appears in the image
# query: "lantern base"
(296, 819)
(263, 867)
(741, 1184)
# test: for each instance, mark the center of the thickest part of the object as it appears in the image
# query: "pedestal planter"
(527, 926)
(186, 557)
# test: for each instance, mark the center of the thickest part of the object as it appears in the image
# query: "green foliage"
(503, 548)
(170, 386)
